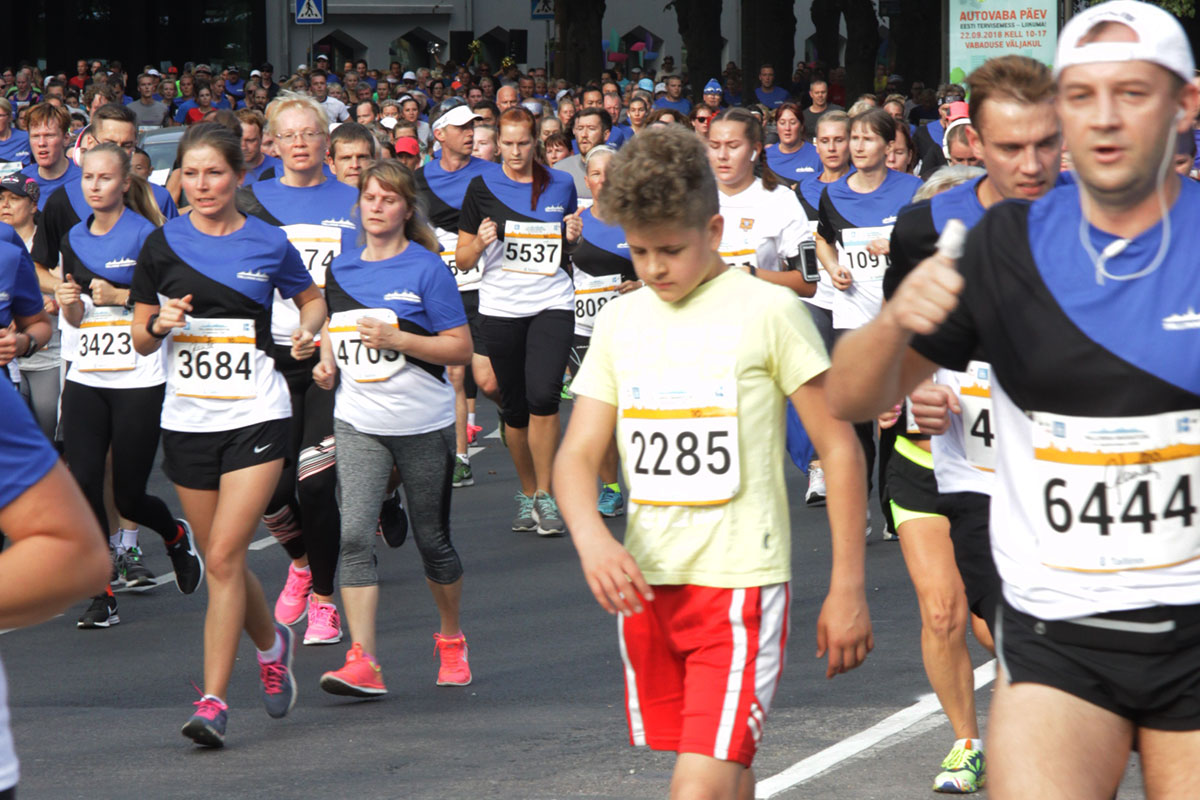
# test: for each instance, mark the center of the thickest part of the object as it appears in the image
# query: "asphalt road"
(96, 714)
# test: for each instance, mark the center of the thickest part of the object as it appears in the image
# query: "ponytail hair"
(139, 197)
(753, 131)
(520, 115)
(395, 177)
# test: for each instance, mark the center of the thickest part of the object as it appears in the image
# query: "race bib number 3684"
(214, 359)
(681, 447)
(1115, 494)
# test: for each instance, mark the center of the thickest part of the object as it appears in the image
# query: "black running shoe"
(102, 613)
(189, 567)
(134, 569)
(393, 522)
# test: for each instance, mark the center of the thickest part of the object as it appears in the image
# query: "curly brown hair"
(661, 177)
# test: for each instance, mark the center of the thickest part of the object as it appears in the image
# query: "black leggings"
(529, 355)
(308, 486)
(127, 420)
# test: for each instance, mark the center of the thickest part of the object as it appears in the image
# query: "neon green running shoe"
(963, 772)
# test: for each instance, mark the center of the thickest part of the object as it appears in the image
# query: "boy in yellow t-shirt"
(692, 374)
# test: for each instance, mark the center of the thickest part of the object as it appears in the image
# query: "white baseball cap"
(459, 115)
(660, 87)
(409, 76)
(1160, 39)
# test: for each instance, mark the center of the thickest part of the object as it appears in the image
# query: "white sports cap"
(1160, 39)
(660, 87)
(388, 122)
(457, 116)
(409, 76)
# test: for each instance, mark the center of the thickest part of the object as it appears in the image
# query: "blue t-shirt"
(46, 187)
(774, 98)
(19, 292)
(25, 455)
(616, 136)
(113, 255)
(682, 105)
(16, 148)
(268, 162)
(794, 166)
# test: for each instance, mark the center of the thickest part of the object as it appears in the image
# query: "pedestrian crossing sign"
(310, 12)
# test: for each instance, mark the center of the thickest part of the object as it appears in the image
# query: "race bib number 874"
(1115, 494)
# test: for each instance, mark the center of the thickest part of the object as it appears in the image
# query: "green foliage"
(1180, 8)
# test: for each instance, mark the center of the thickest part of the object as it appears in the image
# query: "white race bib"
(463, 278)
(591, 293)
(105, 340)
(361, 363)
(214, 359)
(975, 397)
(534, 248)
(746, 257)
(681, 446)
(1114, 494)
(854, 256)
(318, 246)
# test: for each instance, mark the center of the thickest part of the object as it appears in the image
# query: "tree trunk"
(701, 40)
(768, 37)
(862, 47)
(578, 56)
(917, 57)
(825, 15)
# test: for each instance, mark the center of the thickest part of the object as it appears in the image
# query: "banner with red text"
(983, 29)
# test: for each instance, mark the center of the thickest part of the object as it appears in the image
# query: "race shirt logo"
(340, 223)
(747, 223)
(120, 263)
(1182, 322)
(553, 209)
(261, 277)
(407, 296)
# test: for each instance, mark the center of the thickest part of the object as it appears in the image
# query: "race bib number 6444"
(1115, 494)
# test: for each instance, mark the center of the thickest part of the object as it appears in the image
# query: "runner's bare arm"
(57, 555)
(610, 571)
(844, 626)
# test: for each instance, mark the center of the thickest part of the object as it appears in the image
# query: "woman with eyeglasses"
(315, 211)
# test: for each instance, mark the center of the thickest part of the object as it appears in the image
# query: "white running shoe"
(815, 496)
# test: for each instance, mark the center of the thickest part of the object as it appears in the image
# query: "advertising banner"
(983, 29)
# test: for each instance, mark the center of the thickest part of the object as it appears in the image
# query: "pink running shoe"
(324, 623)
(452, 650)
(293, 600)
(360, 677)
(473, 432)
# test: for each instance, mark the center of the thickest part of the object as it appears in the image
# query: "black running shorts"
(198, 460)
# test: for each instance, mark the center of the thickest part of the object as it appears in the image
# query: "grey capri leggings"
(426, 463)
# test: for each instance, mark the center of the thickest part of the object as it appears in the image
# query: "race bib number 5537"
(1115, 494)
(681, 446)
(534, 248)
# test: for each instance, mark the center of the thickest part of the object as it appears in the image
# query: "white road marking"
(830, 757)
(263, 543)
(494, 434)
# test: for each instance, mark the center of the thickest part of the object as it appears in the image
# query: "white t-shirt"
(762, 228)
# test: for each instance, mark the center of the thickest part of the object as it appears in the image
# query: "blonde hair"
(395, 177)
(661, 177)
(946, 178)
(293, 101)
(139, 197)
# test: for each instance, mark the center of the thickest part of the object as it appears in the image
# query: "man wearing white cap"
(1084, 304)
(441, 185)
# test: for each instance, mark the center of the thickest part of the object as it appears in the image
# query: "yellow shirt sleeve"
(796, 353)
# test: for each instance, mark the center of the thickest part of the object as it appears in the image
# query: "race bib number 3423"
(1115, 494)
(105, 340)
(681, 447)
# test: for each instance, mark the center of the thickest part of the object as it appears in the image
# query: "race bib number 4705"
(1115, 494)
(361, 363)
(681, 446)
(214, 359)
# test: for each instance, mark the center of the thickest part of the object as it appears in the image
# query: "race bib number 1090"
(681, 447)
(1115, 494)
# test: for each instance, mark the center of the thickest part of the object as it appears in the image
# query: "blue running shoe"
(278, 682)
(207, 726)
(611, 503)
